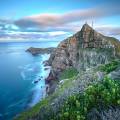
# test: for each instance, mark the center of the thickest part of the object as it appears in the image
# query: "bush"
(109, 67)
(102, 94)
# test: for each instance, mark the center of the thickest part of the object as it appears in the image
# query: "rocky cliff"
(87, 90)
(85, 49)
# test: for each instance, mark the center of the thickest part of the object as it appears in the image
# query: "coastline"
(79, 70)
(19, 70)
(39, 91)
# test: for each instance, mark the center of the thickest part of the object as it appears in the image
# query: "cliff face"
(84, 49)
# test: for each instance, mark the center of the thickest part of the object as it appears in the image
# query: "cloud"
(9, 31)
(33, 35)
(7, 25)
(55, 21)
(50, 26)
(109, 30)
(47, 21)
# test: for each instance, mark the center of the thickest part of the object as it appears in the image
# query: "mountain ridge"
(86, 44)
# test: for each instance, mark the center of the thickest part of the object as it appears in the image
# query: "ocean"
(18, 70)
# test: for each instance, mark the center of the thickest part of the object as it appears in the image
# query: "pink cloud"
(50, 20)
(56, 20)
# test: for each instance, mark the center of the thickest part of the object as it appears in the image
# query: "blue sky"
(37, 20)
(23, 8)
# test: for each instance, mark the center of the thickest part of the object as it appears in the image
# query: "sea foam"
(39, 91)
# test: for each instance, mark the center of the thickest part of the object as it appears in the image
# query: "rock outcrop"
(85, 49)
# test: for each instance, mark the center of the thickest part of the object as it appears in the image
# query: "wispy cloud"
(49, 25)
(33, 35)
(110, 30)
(50, 21)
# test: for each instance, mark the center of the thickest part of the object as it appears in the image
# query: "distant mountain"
(37, 51)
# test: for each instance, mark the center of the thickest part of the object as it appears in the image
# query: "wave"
(16, 104)
(39, 91)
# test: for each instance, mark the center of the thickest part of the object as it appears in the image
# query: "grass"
(67, 76)
(68, 73)
(33, 111)
(76, 107)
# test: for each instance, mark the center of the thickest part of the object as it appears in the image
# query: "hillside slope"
(85, 73)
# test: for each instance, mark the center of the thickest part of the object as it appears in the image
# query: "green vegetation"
(76, 107)
(105, 93)
(68, 73)
(68, 76)
(109, 67)
(32, 112)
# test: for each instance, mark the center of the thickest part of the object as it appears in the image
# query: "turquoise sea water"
(18, 70)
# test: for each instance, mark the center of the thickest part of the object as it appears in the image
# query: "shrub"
(77, 106)
(109, 67)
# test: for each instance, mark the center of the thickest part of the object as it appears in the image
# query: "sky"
(54, 20)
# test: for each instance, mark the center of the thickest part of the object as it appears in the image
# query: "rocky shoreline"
(86, 51)
(50, 86)
(93, 49)
(36, 51)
